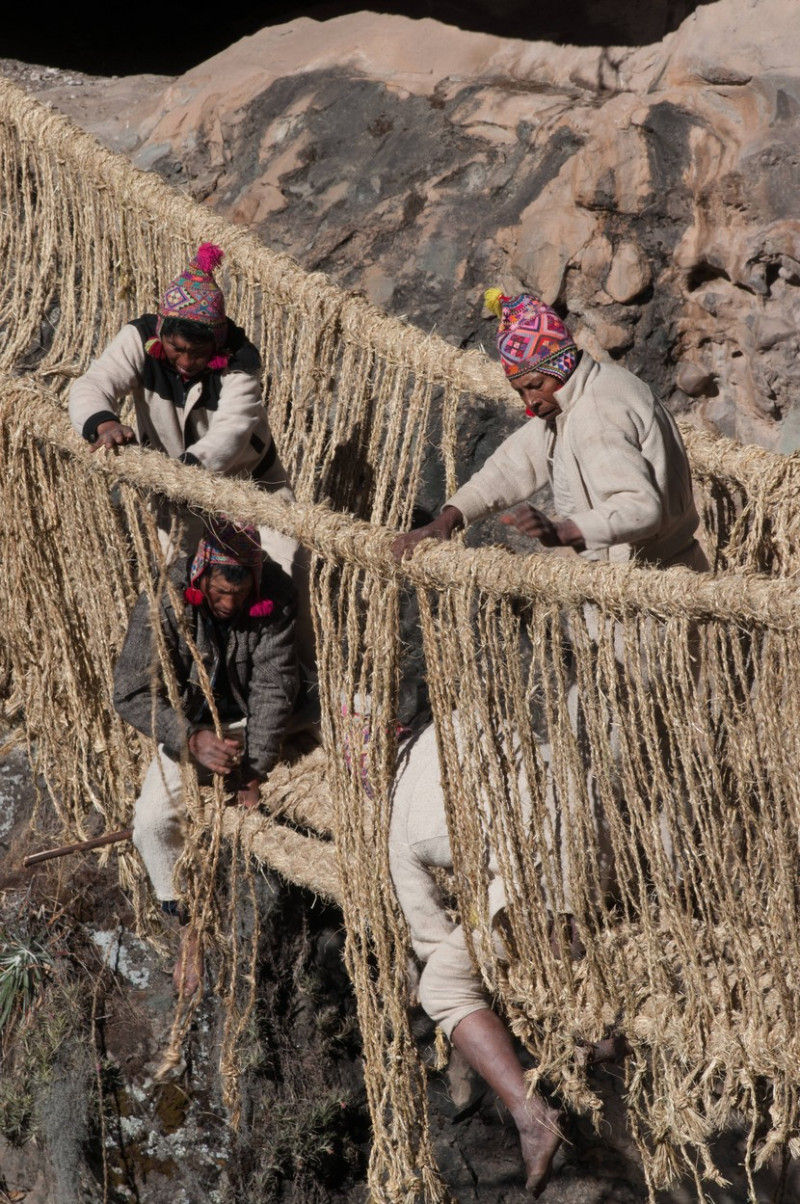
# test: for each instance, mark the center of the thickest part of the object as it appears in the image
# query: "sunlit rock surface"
(650, 191)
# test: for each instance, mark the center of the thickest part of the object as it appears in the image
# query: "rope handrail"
(145, 193)
(547, 579)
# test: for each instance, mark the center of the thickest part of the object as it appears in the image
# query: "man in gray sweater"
(238, 610)
(610, 451)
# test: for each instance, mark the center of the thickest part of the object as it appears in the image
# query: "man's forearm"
(95, 396)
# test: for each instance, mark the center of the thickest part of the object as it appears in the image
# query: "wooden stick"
(65, 849)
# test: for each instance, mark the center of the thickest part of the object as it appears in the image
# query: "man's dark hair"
(236, 574)
(194, 332)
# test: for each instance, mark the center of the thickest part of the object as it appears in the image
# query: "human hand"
(219, 755)
(249, 795)
(112, 434)
(451, 519)
(536, 525)
(533, 523)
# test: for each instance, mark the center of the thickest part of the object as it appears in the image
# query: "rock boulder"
(648, 191)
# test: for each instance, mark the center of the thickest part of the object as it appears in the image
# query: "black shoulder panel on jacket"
(244, 355)
(277, 585)
(146, 326)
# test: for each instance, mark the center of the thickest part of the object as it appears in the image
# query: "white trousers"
(158, 822)
(450, 987)
(160, 815)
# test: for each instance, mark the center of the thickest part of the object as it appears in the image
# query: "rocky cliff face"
(649, 192)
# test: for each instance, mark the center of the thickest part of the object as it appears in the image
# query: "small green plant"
(26, 975)
(44, 1033)
(17, 1107)
(307, 1141)
(24, 966)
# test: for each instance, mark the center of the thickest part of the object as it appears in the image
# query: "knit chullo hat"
(195, 296)
(531, 336)
(229, 543)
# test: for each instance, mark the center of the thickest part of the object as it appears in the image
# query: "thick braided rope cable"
(99, 239)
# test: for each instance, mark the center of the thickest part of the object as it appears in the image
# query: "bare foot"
(540, 1135)
(187, 976)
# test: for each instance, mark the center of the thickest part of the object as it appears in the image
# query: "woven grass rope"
(655, 714)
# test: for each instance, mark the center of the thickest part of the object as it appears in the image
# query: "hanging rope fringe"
(653, 793)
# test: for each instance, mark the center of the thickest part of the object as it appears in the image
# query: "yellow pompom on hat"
(492, 299)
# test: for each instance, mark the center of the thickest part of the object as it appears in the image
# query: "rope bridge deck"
(655, 713)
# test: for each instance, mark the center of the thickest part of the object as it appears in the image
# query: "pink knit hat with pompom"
(195, 296)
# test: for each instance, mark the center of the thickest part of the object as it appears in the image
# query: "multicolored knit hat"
(531, 336)
(229, 543)
(195, 296)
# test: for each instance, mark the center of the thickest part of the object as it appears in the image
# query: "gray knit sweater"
(261, 671)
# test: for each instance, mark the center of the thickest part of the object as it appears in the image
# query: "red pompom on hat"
(208, 257)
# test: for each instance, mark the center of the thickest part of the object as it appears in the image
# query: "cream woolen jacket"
(615, 460)
(217, 420)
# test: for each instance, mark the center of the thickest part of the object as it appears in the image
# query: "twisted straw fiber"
(664, 702)
(706, 981)
(85, 277)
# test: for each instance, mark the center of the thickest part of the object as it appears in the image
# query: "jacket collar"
(573, 388)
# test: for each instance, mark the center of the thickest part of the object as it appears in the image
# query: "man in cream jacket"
(194, 379)
(611, 452)
(622, 486)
